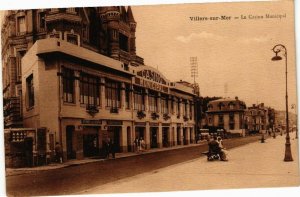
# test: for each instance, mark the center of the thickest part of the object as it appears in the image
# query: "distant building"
(226, 113)
(259, 118)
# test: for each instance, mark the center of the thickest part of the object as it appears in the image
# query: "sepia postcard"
(120, 99)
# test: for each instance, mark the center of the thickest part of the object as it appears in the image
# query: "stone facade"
(75, 73)
(227, 113)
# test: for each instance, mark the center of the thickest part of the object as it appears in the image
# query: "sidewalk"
(19, 171)
(255, 165)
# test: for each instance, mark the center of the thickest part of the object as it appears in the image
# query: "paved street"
(253, 165)
(79, 177)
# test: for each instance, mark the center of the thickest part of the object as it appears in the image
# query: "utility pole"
(194, 68)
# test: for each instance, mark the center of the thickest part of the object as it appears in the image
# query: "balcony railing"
(154, 115)
(92, 109)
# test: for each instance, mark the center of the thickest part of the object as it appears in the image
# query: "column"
(123, 96)
(147, 135)
(175, 135)
(102, 92)
(123, 139)
(159, 135)
(188, 109)
(170, 136)
(192, 135)
(181, 135)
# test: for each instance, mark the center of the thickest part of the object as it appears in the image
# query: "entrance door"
(139, 132)
(114, 134)
(90, 145)
(165, 137)
(153, 137)
(69, 132)
(129, 143)
(184, 136)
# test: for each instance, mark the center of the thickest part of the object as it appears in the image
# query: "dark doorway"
(165, 136)
(153, 137)
(140, 132)
(129, 143)
(114, 134)
(28, 147)
(185, 142)
(70, 152)
(90, 145)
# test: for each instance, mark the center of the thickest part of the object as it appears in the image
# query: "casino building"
(75, 75)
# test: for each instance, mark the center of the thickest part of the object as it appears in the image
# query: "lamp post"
(277, 49)
(294, 107)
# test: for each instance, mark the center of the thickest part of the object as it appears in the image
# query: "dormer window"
(231, 105)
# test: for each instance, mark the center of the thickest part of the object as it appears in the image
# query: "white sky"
(235, 54)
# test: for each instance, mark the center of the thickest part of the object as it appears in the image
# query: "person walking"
(112, 148)
(58, 153)
(136, 145)
(107, 148)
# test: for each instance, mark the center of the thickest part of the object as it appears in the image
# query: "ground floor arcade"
(85, 138)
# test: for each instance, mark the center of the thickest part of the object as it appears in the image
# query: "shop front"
(166, 135)
(153, 135)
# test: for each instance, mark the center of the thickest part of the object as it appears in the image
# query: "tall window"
(139, 99)
(68, 85)
(42, 22)
(20, 55)
(164, 104)
(178, 106)
(112, 94)
(21, 24)
(30, 91)
(152, 101)
(185, 108)
(127, 96)
(221, 121)
(123, 41)
(191, 111)
(89, 89)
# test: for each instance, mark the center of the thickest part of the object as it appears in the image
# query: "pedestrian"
(223, 152)
(143, 144)
(58, 153)
(107, 148)
(135, 144)
(112, 148)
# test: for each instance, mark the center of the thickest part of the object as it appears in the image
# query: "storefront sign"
(140, 124)
(114, 122)
(165, 124)
(153, 124)
(98, 122)
(151, 75)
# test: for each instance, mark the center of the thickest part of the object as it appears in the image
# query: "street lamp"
(277, 49)
(294, 107)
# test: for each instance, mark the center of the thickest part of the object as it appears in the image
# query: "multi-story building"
(227, 113)
(259, 118)
(109, 31)
(77, 78)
